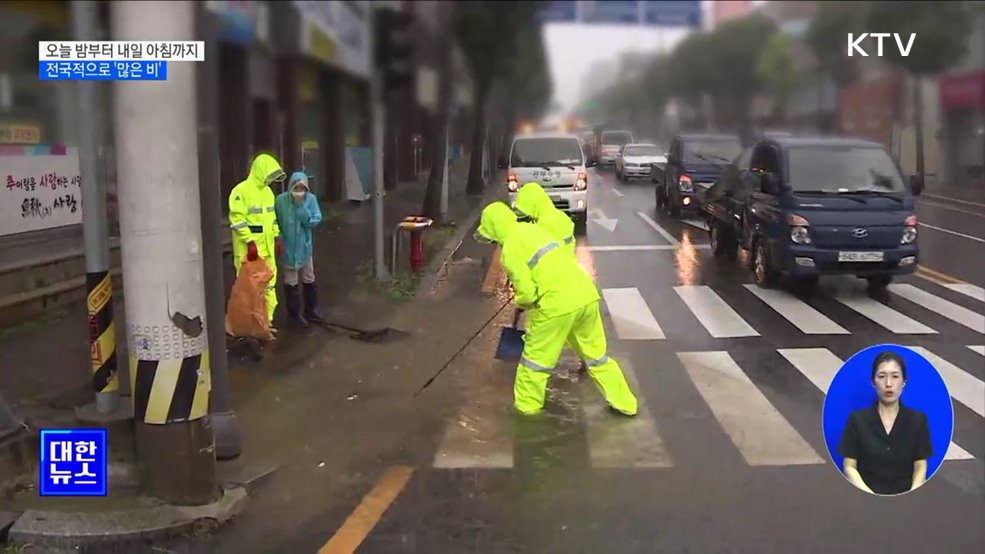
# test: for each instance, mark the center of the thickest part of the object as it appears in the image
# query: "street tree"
(527, 88)
(444, 48)
(735, 50)
(779, 73)
(827, 37)
(487, 32)
(690, 70)
(941, 33)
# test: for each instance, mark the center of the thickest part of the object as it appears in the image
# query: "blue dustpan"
(510, 341)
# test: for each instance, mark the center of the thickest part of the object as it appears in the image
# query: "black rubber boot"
(311, 303)
(292, 297)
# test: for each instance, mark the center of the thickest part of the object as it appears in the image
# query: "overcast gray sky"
(572, 49)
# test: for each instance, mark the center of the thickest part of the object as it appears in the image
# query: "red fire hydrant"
(416, 225)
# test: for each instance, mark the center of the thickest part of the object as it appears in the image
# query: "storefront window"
(311, 131)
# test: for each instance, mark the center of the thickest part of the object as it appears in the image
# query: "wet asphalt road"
(727, 454)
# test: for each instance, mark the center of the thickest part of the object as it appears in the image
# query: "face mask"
(298, 194)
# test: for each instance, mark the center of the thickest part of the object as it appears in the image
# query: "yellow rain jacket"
(563, 307)
(534, 202)
(252, 219)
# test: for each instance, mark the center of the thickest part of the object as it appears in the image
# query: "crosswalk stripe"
(977, 348)
(948, 309)
(820, 366)
(615, 442)
(963, 387)
(974, 291)
(805, 317)
(884, 315)
(630, 315)
(756, 428)
(714, 313)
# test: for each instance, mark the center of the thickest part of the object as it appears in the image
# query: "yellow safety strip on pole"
(102, 332)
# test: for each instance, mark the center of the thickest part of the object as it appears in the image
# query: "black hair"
(887, 356)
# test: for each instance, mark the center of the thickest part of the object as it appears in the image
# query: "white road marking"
(980, 349)
(703, 225)
(963, 386)
(967, 289)
(617, 192)
(649, 221)
(958, 200)
(884, 315)
(631, 315)
(955, 233)
(640, 247)
(615, 442)
(714, 313)
(820, 366)
(948, 309)
(756, 428)
(794, 310)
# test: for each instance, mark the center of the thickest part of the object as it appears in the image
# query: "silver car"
(636, 160)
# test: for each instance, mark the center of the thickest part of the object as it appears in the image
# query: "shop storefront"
(332, 113)
(962, 100)
(248, 120)
(39, 127)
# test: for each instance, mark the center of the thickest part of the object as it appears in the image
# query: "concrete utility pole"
(228, 440)
(95, 232)
(161, 230)
(379, 118)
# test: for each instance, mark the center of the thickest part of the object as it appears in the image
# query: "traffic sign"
(655, 13)
(611, 11)
(672, 13)
(558, 11)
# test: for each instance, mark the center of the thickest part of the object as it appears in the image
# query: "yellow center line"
(938, 277)
(362, 520)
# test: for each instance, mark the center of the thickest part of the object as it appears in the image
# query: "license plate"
(860, 256)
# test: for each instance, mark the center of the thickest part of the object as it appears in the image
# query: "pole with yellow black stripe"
(161, 234)
(99, 288)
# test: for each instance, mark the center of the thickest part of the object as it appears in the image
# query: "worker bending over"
(534, 203)
(562, 304)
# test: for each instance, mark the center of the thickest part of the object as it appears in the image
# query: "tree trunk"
(475, 184)
(820, 106)
(918, 116)
(432, 198)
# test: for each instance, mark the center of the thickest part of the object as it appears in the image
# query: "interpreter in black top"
(886, 446)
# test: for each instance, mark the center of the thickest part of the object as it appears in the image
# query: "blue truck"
(693, 164)
(807, 207)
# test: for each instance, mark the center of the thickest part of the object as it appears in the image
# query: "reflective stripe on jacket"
(251, 210)
(543, 275)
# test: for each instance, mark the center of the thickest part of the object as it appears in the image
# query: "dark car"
(807, 207)
(694, 163)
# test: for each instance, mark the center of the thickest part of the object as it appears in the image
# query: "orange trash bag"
(246, 313)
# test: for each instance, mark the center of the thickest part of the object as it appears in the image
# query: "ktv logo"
(854, 43)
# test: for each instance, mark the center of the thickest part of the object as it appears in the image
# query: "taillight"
(512, 183)
(582, 182)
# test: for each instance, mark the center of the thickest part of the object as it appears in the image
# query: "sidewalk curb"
(434, 270)
(74, 529)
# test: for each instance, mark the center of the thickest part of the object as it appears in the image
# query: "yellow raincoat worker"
(254, 222)
(533, 202)
(562, 304)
